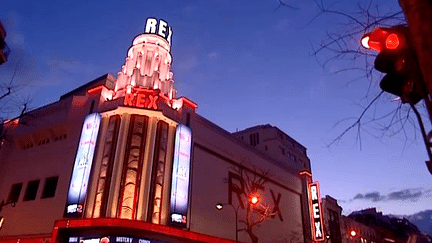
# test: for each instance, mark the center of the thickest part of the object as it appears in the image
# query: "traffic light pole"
(428, 104)
(426, 138)
(418, 14)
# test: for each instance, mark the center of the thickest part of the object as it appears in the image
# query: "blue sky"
(244, 63)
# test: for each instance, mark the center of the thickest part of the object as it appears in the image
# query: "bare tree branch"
(282, 4)
(253, 180)
(342, 43)
(357, 123)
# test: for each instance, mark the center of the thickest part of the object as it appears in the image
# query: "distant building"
(332, 219)
(353, 231)
(367, 226)
(284, 150)
(277, 144)
(123, 159)
(376, 227)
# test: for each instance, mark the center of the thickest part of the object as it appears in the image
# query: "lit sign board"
(142, 98)
(180, 176)
(110, 239)
(316, 212)
(82, 166)
(160, 28)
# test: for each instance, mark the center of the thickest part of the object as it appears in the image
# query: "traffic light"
(397, 59)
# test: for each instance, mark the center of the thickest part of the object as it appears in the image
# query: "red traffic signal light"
(385, 39)
(397, 59)
(392, 41)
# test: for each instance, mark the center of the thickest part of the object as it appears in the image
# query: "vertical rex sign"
(180, 176)
(316, 212)
(82, 166)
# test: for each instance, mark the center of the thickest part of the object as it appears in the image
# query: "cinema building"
(123, 159)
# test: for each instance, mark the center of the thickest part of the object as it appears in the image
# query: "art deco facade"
(123, 159)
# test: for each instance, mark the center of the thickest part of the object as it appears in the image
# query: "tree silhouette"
(13, 105)
(251, 184)
(342, 44)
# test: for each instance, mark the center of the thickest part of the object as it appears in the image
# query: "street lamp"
(254, 199)
(220, 206)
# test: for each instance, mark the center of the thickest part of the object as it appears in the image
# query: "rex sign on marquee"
(142, 98)
(316, 212)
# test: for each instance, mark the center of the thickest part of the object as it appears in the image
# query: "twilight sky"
(244, 63)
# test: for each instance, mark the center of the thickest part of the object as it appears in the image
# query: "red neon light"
(305, 173)
(142, 98)
(24, 240)
(129, 100)
(189, 102)
(132, 224)
(13, 122)
(95, 90)
(152, 104)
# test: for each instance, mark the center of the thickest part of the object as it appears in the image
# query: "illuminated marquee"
(108, 239)
(316, 212)
(82, 166)
(180, 176)
(160, 28)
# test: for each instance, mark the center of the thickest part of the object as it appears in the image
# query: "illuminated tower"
(148, 63)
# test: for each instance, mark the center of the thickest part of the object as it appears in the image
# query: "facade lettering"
(236, 187)
(318, 233)
(142, 99)
(124, 239)
(276, 201)
(161, 29)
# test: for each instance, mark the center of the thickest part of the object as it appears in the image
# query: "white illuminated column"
(148, 65)
(82, 166)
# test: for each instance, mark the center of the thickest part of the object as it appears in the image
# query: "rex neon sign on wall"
(316, 212)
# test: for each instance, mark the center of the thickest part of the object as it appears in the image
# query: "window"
(254, 139)
(281, 150)
(50, 187)
(291, 142)
(280, 135)
(188, 119)
(292, 157)
(14, 192)
(31, 190)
